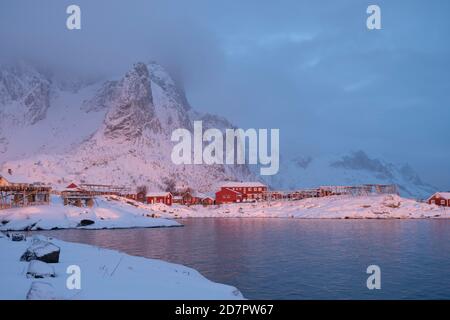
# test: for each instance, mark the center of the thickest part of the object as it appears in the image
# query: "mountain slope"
(114, 132)
(349, 169)
(118, 132)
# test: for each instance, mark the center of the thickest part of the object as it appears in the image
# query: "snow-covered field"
(105, 274)
(334, 207)
(107, 213)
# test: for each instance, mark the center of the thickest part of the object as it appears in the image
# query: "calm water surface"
(298, 259)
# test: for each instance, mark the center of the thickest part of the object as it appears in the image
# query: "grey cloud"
(310, 68)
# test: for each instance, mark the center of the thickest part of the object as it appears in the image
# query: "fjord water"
(298, 259)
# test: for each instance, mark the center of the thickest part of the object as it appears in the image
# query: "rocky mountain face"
(114, 132)
(24, 94)
(132, 110)
(118, 132)
(349, 169)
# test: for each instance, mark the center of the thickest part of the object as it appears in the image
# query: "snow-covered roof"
(158, 194)
(73, 187)
(202, 195)
(242, 184)
(15, 178)
(444, 195)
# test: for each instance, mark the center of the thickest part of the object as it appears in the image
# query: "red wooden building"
(240, 192)
(160, 197)
(141, 196)
(194, 198)
(190, 198)
(208, 201)
(440, 199)
(73, 186)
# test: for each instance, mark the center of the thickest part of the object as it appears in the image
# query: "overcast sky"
(310, 68)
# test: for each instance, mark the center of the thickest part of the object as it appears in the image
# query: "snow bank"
(117, 212)
(334, 207)
(107, 213)
(105, 274)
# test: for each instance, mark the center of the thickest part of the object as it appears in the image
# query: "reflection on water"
(298, 259)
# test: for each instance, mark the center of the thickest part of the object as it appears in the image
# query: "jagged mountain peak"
(131, 111)
(20, 68)
(115, 131)
(118, 131)
(359, 160)
(135, 85)
(161, 77)
(352, 168)
(24, 93)
(146, 97)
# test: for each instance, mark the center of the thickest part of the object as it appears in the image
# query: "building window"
(443, 202)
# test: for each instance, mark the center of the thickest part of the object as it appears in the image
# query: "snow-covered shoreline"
(112, 212)
(333, 207)
(105, 274)
(107, 213)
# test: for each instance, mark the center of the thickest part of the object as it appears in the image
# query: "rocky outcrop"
(85, 222)
(28, 90)
(43, 251)
(130, 122)
(160, 77)
(103, 98)
(132, 112)
(38, 270)
(17, 237)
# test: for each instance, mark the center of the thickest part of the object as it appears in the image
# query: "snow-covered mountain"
(115, 132)
(350, 169)
(118, 132)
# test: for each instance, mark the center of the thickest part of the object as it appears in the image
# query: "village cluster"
(18, 194)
